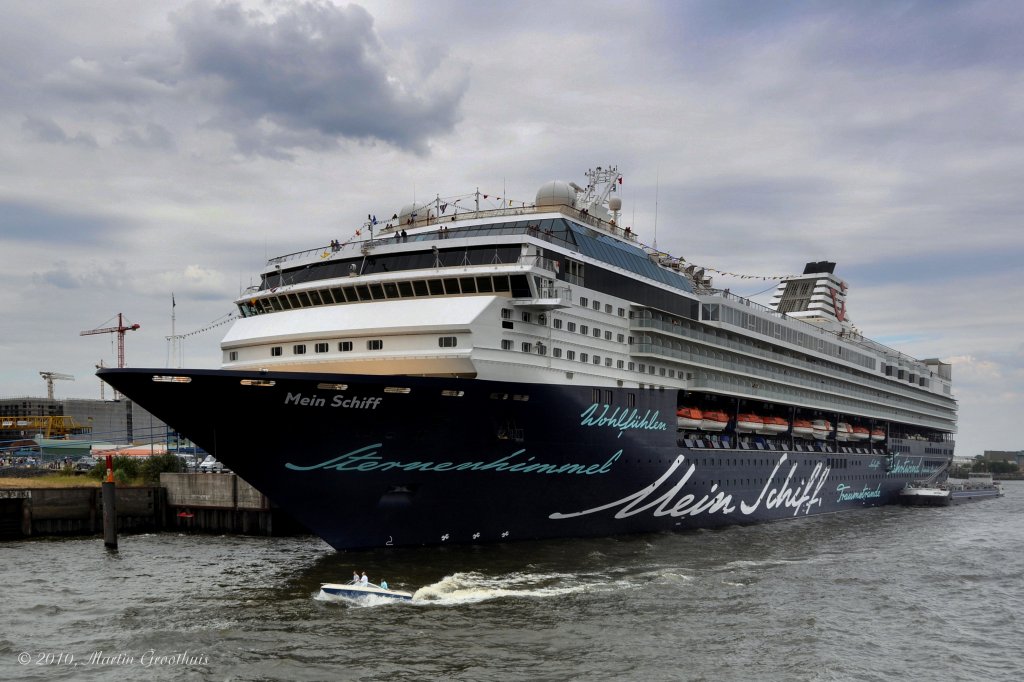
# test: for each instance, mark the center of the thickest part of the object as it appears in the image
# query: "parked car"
(188, 461)
(86, 463)
(210, 465)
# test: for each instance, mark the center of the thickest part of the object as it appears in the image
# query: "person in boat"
(383, 584)
(364, 581)
(355, 578)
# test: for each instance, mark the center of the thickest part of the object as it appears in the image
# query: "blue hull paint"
(369, 461)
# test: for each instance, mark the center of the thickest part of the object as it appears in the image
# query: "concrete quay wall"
(76, 511)
(219, 503)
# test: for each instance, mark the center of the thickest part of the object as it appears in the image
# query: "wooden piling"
(109, 507)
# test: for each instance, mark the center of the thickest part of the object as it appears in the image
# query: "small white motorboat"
(360, 591)
(922, 494)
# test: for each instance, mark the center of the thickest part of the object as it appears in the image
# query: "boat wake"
(472, 587)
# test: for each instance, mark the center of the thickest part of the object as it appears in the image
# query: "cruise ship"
(468, 374)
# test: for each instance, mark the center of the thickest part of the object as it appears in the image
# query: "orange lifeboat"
(860, 433)
(688, 418)
(843, 431)
(821, 428)
(714, 420)
(748, 423)
(774, 425)
(802, 428)
(877, 435)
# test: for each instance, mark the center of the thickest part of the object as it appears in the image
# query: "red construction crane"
(121, 328)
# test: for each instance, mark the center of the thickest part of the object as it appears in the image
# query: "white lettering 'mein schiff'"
(354, 402)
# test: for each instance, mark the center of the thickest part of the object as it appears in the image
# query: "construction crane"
(51, 377)
(121, 328)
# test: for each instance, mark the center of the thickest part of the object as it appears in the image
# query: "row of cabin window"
(609, 397)
(569, 326)
(507, 314)
(541, 349)
(584, 301)
(346, 346)
(584, 329)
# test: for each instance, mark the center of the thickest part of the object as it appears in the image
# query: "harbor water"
(888, 593)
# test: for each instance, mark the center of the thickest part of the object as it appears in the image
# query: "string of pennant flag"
(762, 278)
(706, 268)
(229, 318)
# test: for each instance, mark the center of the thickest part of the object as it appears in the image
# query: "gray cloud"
(44, 129)
(148, 136)
(22, 221)
(308, 77)
(792, 198)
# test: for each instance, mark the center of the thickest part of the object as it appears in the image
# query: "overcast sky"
(156, 147)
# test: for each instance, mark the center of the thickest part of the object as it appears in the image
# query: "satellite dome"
(555, 193)
(422, 211)
(615, 204)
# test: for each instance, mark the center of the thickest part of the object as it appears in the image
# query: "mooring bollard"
(109, 507)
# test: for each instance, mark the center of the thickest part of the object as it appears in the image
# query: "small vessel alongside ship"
(978, 486)
(471, 375)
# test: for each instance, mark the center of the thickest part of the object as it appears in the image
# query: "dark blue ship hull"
(369, 461)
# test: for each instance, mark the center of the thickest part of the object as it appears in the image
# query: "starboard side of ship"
(466, 375)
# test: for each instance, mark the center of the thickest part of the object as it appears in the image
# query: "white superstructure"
(559, 293)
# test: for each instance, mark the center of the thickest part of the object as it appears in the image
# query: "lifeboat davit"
(860, 433)
(821, 428)
(877, 435)
(714, 420)
(748, 423)
(802, 428)
(843, 431)
(688, 418)
(774, 425)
